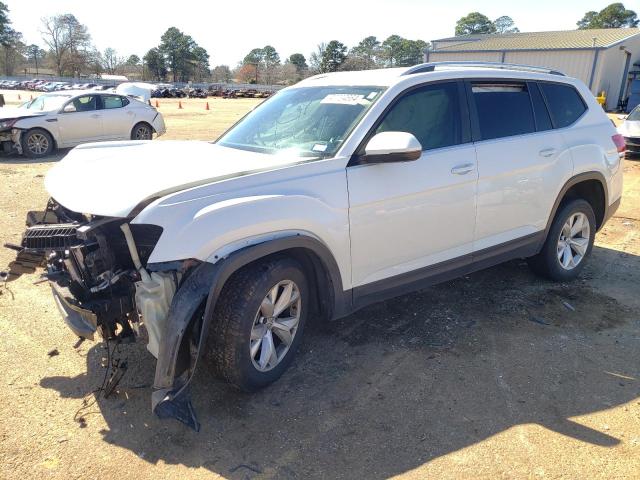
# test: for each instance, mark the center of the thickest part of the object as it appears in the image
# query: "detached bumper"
(81, 321)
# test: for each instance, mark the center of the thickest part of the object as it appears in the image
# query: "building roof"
(567, 39)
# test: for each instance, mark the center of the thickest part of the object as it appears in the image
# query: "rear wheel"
(258, 323)
(37, 143)
(142, 131)
(568, 244)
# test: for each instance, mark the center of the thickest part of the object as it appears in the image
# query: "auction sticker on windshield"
(343, 98)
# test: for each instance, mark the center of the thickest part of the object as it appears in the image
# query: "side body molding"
(175, 367)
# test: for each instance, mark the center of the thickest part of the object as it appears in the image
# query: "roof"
(565, 39)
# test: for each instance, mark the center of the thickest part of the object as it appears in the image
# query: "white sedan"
(66, 119)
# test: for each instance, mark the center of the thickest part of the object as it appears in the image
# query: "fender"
(171, 395)
(581, 177)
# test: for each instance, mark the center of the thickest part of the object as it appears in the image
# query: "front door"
(408, 218)
(80, 121)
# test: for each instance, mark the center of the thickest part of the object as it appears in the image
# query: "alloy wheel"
(37, 143)
(573, 241)
(275, 325)
(143, 133)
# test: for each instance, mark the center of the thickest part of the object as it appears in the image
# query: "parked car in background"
(630, 130)
(66, 119)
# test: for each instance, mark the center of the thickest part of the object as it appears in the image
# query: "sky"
(228, 31)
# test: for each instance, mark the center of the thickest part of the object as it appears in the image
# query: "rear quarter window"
(565, 103)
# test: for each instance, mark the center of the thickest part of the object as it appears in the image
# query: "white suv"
(343, 190)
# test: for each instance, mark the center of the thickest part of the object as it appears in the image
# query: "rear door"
(80, 121)
(117, 118)
(520, 159)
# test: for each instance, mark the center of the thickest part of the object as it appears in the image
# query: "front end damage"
(101, 282)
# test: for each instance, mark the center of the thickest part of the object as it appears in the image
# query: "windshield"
(634, 116)
(46, 103)
(306, 121)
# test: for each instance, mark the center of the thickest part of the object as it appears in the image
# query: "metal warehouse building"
(605, 59)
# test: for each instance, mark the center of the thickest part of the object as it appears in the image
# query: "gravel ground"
(494, 375)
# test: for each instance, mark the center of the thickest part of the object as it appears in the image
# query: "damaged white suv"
(343, 190)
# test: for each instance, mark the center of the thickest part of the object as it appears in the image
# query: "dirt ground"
(494, 375)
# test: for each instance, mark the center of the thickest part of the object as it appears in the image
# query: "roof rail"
(430, 67)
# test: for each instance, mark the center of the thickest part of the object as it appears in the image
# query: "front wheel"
(37, 143)
(568, 244)
(258, 323)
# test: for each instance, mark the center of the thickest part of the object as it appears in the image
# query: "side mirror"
(389, 147)
(69, 108)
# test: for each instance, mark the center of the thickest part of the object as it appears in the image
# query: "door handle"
(547, 152)
(462, 169)
(95, 115)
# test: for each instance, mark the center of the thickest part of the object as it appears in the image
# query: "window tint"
(431, 114)
(504, 109)
(564, 102)
(543, 120)
(113, 101)
(85, 103)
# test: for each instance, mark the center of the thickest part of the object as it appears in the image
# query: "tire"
(237, 324)
(549, 262)
(37, 143)
(142, 131)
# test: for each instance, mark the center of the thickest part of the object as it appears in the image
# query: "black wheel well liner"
(205, 283)
(590, 186)
(141, 122)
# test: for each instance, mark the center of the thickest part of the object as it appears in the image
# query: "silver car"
(630, 130)
(66, 119)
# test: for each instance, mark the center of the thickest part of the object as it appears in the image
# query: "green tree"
(505, 24)
(35, 54)
(133, 60)
(364, 56)
(155, 64)
(270, 61)
(612, 16)
(176, 48)
(474, 23)
(333, 56)
(298, 60)
(392, 49)
(10, 42)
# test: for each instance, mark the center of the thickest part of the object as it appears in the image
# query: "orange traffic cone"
(179, 104)
(157, 104)
(207, 108)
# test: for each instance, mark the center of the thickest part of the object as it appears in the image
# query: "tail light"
(618, 140)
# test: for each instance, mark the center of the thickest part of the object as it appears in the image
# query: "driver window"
(430, 113)
(86, 103)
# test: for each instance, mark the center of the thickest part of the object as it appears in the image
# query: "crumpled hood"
(112, 178)
(630, 128)
(15, 112)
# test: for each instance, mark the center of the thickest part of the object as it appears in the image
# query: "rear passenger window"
(113, 101)
(504, 109)
(430, 113)
(543, 121)
(565, 103)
